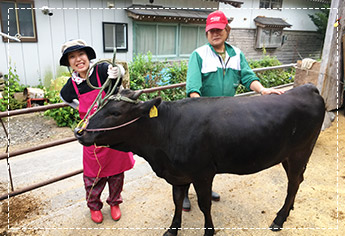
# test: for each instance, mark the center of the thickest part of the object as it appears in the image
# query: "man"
(217, 68)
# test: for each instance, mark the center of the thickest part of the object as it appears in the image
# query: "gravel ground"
(31, 129)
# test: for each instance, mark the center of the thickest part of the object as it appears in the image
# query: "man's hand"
(257, 87)
(267, 91)
(194, 95)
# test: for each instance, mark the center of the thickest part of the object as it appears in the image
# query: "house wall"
(294, 12)
(299, 45)
(37, 62)
(302, 40)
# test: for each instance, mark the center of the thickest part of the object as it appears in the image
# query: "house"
(282, 27)
(169, 29)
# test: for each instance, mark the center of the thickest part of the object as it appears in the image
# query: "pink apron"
(107, 161)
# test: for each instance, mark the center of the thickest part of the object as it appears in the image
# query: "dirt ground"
(247, 207)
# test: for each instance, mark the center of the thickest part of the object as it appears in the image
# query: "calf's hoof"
(209, 232)
(186, 204)
(215, 196)
(167, 233)
(274, 227)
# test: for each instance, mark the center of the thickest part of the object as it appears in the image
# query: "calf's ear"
(137, 94)
(146, 106)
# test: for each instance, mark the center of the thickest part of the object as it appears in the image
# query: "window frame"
(125, 49)
(270, 5)
(34, 24)
(178, 27)
(260, 35)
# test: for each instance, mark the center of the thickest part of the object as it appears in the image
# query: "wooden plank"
(328, 81)
(343, 58)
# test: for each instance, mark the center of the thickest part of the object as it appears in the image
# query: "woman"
(217, 68)
(100, 164)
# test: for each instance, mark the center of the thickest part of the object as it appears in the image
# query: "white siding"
(3, 58)
(35, 61)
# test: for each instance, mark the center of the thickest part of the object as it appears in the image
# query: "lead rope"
(99, 171)
(100, 104)
(99, 100)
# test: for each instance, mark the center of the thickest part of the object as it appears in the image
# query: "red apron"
(107, 161)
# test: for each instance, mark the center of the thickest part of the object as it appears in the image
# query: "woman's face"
(79, 62)
(217, 37)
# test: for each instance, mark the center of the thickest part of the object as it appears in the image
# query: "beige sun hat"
(74, 45)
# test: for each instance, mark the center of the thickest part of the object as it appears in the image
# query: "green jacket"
(210, 76)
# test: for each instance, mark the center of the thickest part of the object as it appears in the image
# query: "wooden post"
(330, 77)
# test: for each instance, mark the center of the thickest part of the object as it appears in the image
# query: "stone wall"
(298, 45)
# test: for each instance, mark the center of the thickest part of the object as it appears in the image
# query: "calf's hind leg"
(294, 169)
(178, 196)
(204, 190)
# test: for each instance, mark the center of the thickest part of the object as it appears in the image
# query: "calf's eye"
(116, 113)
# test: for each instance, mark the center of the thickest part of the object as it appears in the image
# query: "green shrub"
(58, 83)
(177, 73)
(270, 78)
(64, 116)
(145, 73)
(12, 86)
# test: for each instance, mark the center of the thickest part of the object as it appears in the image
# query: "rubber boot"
(96, 216)
(115, 212)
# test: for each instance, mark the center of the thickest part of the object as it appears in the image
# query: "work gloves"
(116, 71)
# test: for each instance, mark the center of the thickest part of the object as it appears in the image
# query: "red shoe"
(96, 216)
(115, 212)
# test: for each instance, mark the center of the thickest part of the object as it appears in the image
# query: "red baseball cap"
(216, 20)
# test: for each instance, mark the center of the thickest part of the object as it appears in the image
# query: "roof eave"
(237, 4)
(161, 14)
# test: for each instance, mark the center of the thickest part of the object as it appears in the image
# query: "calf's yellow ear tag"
(153, 112)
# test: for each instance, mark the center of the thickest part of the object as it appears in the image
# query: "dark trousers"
(94, 187)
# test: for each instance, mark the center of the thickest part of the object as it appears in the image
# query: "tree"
(320, 20)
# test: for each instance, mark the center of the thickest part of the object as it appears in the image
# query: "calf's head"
(115, 122)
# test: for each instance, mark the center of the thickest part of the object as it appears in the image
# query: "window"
(115, 35)
(271, 4)
(191, 38)
(18, 17)
(159, 39)
(167, 40)
(269, 37)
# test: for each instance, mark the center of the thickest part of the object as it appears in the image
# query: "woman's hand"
(113, 72)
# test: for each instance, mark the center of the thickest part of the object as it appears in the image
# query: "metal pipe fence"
(7, 155)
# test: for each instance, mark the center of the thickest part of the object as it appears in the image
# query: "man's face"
(217, 37)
